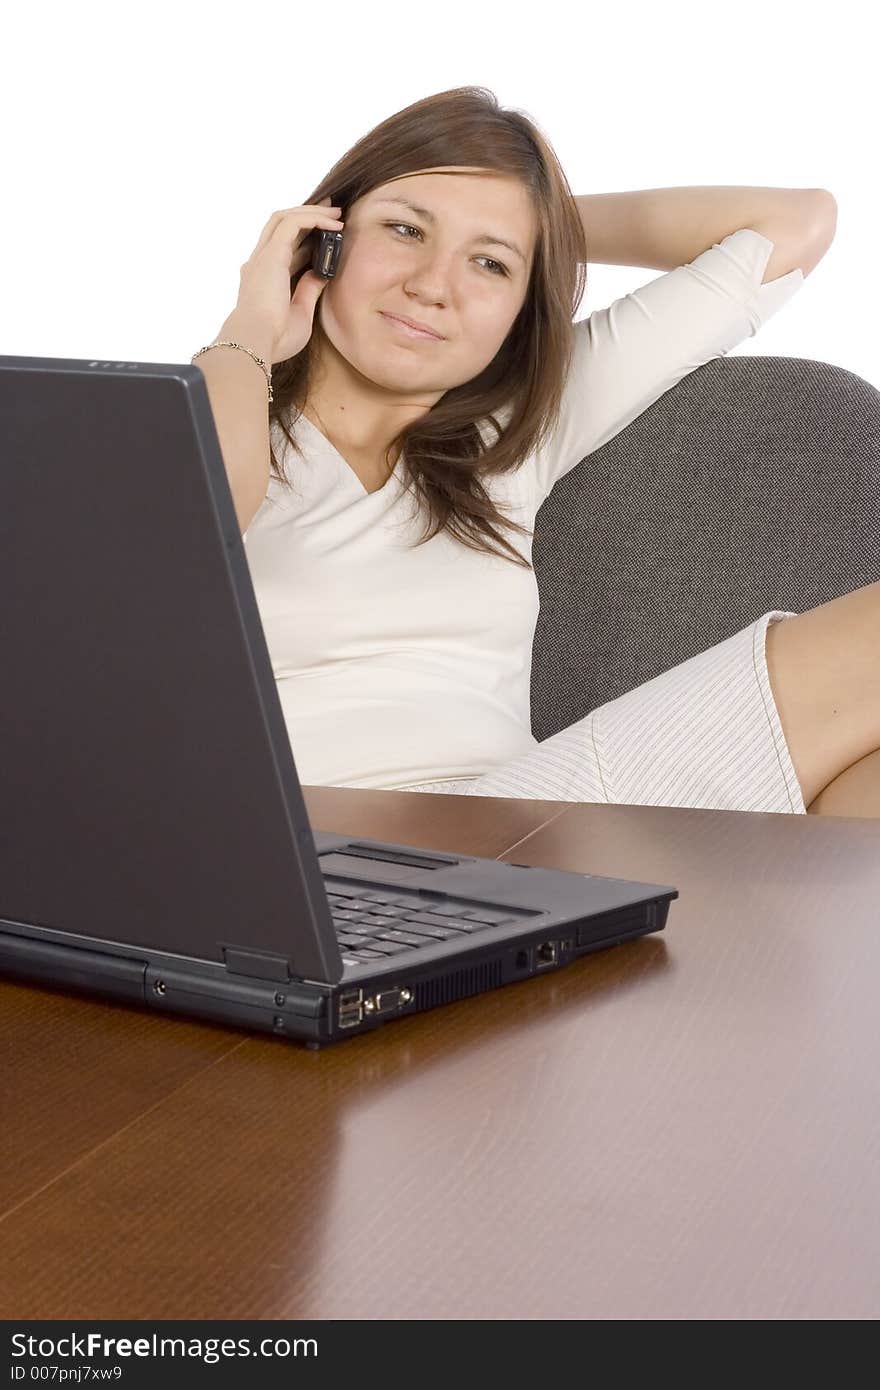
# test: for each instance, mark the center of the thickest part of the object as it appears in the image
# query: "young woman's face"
(435, 257)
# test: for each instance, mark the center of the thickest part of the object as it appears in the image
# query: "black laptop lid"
(148, 793)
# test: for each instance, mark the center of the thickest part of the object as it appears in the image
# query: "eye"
(499, 270)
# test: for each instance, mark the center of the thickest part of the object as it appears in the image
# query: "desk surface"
(686, 1126)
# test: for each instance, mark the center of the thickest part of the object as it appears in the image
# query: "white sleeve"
(626, 356)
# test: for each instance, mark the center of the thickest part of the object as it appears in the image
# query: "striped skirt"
(705, 734)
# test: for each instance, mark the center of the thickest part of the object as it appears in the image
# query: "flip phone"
(325, 257)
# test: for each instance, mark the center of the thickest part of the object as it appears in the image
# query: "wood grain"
(682, 1127)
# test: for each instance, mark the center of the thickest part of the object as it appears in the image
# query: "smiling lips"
(405, 326)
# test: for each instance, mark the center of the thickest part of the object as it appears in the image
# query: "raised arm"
(667, 227)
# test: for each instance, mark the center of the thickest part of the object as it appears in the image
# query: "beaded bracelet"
(226, 342)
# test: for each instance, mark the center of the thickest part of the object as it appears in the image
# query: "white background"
(144, 147)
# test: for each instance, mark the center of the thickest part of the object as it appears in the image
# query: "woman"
(402, 651)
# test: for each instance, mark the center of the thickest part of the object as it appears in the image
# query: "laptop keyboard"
(375, 925)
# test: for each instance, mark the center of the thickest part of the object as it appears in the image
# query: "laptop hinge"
(264, 967)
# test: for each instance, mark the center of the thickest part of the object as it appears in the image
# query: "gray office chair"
(753, 484)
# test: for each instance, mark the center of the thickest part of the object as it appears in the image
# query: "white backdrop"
(145, 147)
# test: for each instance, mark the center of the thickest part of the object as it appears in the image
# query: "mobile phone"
(325, 257)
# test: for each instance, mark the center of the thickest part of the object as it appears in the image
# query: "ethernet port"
(545, 954)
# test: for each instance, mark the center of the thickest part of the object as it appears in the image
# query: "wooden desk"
(687, 1126)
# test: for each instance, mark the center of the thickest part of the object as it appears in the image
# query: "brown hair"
(467, 127)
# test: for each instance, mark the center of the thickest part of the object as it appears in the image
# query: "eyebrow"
(487, 239)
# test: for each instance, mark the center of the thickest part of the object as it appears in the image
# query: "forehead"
(454, 182)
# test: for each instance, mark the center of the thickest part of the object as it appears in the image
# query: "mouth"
(409, 330)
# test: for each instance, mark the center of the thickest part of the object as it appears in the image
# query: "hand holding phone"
(265, 303)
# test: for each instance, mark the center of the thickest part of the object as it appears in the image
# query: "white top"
(396, 664)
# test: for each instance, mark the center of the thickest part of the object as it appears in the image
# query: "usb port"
(351, 1008)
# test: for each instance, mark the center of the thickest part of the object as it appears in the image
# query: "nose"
(430, 278)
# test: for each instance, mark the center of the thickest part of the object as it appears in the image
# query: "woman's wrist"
(241, 329)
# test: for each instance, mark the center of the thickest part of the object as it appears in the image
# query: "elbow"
(816, 228)
(823, 215)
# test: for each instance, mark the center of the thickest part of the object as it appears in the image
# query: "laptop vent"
(458, 984)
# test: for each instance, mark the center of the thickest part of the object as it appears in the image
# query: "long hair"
(444, 451)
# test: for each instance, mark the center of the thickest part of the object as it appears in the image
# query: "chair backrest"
(752, 484)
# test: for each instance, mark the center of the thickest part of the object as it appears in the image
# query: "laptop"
(155, 846)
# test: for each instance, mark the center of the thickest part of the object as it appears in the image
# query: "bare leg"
(824, 668)
(856, 792)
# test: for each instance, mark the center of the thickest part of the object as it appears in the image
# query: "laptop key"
(382, 915)
(401, 900)
(410, 938)
(386, 948)
(489, 916)
(441, 909)
(428, 919)
(347, 939)
(433, 933)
